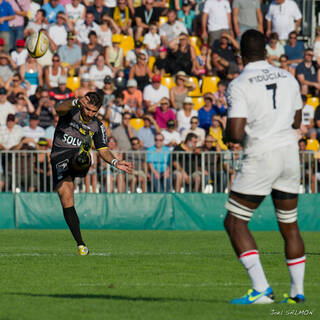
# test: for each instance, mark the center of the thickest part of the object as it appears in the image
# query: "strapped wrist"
(114, 162)
(75, 102)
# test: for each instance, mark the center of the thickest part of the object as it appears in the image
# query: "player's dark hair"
(94, 99)
(252, 45)
(190, 136)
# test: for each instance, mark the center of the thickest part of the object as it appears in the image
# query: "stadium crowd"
(162, 67)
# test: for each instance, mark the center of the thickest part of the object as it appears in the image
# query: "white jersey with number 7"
(268, 98)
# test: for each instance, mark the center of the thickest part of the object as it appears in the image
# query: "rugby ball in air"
(37, 44)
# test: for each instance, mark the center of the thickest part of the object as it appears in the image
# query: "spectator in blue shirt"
(294, 50)
(52, 8)
(6, 14)
(158, 162)
(210, 108)
(146, 134)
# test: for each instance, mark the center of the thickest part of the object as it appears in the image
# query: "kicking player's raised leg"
(240, 209)
(65, 191)
(286, 211)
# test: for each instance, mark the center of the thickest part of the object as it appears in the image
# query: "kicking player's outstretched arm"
(107, 156)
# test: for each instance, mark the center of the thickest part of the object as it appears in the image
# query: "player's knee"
(287, 216)
(238, 210)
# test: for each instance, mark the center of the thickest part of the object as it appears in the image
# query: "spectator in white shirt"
(33, 131)
(152, 40)
(216, 18)
(154, 92)
(171, 136)
(37, 24)
(5, 106)
(199, 132)
(57, 31)
(83, 27)
(185, 114)
(283, 16)
(74, 12)
(19, 56)
(10, 134)
(172, 29)
(98, 72)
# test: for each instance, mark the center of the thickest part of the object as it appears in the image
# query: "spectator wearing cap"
(152, 40)
(163, 113)
(108, 91)
(84, 86)
(37, 24)
(54, 72)
(133, 98)
(187, 16)
(20, 54)
(10, 134)
(21, 9)
(84, 27)
(32, 72)
(147, 133)
(70, 53)
(118, 108)
(114, 55)
(98, 72)
(98, 9)
(154, 92)
(33, 131)
(210, 108)
(246, 15)
(141, 71)
(91, 50)
(131, 56)
(52, 8)
(23, 108)
(179, 92)
(216, 18)
(171, 136)
(122, 17)
(7, 67)
(45, 109)
(5, 106)
(162, 64)
(6, 14)
(185, 114)
(145, 16)
(199, 132)
(61, 92)
(58, 31)
(171, 29)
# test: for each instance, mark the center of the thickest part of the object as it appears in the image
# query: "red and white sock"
(296, 269)
(251, 261)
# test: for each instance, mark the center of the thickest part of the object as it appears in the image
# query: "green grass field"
(169, 275)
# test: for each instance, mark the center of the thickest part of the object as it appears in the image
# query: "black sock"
(73, 222)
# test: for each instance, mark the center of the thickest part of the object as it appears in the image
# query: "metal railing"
(207, 172)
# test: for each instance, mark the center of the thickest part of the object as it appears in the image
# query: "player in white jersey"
(264, 108)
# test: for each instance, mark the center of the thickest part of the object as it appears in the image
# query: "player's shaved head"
(252, 46)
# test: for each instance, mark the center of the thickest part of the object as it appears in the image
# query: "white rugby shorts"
(276, 169)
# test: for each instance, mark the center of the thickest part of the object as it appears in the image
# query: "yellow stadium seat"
(198, 102)
(137, 123)
(168, 82)
(127, 43)
(313, 101)
(210, 84)
(162, 20)
(196, 42)
(151, 62)
(73, 83)
(196, 91)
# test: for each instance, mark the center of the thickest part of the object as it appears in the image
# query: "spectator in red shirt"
(61, 92)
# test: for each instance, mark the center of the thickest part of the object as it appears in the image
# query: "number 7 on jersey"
(273, 87)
